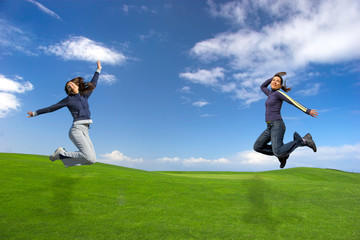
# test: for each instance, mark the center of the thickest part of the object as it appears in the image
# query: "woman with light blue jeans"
(78, 93)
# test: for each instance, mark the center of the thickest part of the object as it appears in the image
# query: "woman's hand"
(99, 65)
(31, 114)
(314, 113)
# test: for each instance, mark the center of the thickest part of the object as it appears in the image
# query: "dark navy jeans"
(274, 133)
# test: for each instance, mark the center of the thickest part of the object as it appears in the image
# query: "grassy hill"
(43, 200)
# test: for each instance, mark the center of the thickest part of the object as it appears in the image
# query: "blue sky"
(179, 88)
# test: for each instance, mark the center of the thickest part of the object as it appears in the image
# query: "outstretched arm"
(288, 99)
(31, 114)
(52, 108)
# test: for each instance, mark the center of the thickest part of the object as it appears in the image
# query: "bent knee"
(90, 159)
(257, 148)
(279, 154)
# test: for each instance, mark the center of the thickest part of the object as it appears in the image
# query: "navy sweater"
(275, 100)
(77, 104)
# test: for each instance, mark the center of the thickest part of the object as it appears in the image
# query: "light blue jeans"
(274, 133)
(79, 135)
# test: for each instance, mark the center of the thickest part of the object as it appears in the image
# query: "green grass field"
(43, 200)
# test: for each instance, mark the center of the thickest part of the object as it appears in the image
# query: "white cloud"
(312, 89)
(9, 85)
(13, 38)
(200, 104)
(8, 88)
(118, 157)
(188, 162)
(154, 35)
(140, 9)
(108, 79)
(82, 48)
(191, 161)
(345, 157)
(8, 102)
(234, 11)
(205, 77)
(206, 115)
(252, 158)
(167, 159)
(45, 9)
(295, 34)
(185, 89)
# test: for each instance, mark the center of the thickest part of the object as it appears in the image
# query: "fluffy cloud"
(205, 77)
(295, 34)
(337, 157)
(8, 88)
(345, 157)
(82, 48)
(118, 157)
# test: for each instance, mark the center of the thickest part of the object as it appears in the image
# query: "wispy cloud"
(107, 79)
(138, 9)
(154, 35)
(185, 89)
(14, 39)
(311, 90)
(200, 103)
(193, 161)
(8, 88)
(85, 49)
(305, 32)
(45, 9)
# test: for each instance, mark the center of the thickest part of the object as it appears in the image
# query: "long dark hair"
(283, 87)
(84, 87)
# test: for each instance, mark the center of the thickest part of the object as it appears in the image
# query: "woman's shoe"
(56, 155)
(283, 161)
(310, 142)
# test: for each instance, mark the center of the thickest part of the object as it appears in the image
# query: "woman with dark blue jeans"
(275, 130)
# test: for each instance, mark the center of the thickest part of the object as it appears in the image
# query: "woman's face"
(72, 88)
(276, 83)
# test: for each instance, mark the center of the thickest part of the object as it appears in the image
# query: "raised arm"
(95, 78)
(264, 86)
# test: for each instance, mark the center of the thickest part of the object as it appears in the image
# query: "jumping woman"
(78, 93)
(275, 130)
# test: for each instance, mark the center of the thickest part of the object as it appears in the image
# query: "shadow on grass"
(62, 188)
(260, 212)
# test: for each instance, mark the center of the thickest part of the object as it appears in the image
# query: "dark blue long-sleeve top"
(275, 100)
(76, 103)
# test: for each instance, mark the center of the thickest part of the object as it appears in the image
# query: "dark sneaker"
(283, 161)
(310, 142)
(56, 155)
